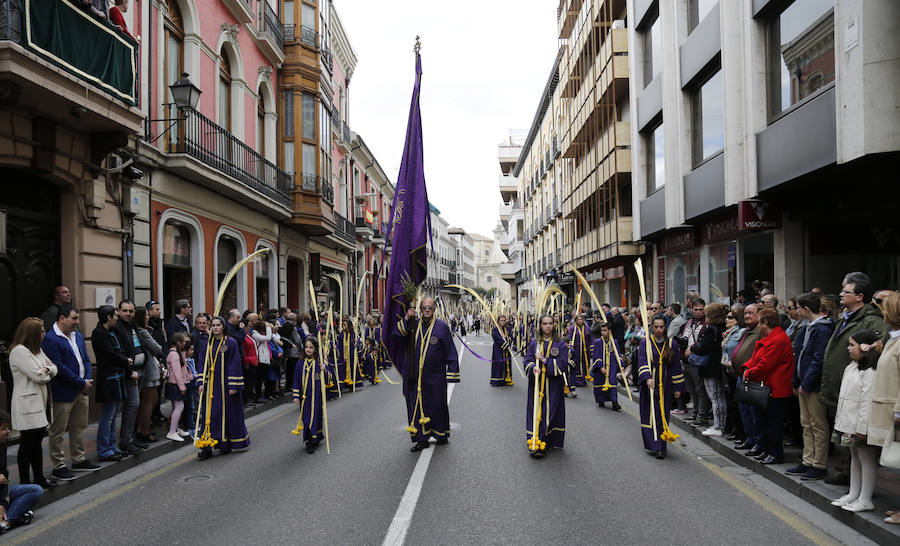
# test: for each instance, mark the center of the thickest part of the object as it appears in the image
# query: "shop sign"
(756, 215)
(567, 278)
(717, 230)
(678, 242)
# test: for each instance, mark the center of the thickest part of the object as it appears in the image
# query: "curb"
(109, 469)
(816, 493)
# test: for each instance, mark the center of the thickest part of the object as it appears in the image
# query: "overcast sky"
(484, 66)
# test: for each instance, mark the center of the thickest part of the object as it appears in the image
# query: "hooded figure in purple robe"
(546, 360)
(663, 371)
(501, 360)
(225, 380)
(431, 363)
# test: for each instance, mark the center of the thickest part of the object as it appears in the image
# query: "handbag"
(701, 361)
(890, 453)
(753, 393)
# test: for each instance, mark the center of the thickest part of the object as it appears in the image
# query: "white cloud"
(484, 64)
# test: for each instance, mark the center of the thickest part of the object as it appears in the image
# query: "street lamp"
(184, 93)
(186, 96)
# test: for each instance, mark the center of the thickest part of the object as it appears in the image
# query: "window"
(708, 121)
(489, 279)
(174, 65)
(801, 52)
(697, 11)
(652, 51)
(656, 160)
(309, 159)
(309, 116)
(261, 125)
(224, 92)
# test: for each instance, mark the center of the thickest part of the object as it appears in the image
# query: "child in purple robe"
(307, 393)
(546, 360)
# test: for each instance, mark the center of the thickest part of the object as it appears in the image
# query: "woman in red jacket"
(772, 363)
(117, 19)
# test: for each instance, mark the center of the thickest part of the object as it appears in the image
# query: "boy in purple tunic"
(660, 376)
(307, 391)
(220, 394)
(432, 362)
(545, 362)
(581, 341)
(501, 371)
(605, 368)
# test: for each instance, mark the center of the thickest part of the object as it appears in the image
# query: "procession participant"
(369, 361)
(348, 354)
(546, 359)
(660, 376)
(307, 392)
(501, 360)
(432, 362)
(580, 341)
(221, 413)
(605, 358)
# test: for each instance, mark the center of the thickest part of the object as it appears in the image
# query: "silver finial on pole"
(418, 46)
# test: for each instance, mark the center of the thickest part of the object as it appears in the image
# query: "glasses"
(427, 307)
(879, 301)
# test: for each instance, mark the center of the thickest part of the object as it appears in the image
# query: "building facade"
(511, 237)
(750, 117)
(465, 257)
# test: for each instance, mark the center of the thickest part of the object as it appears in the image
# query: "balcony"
(271, 33)
(364, 229)
(68, 60)
(308, 35)
(345, 230)
(240, 9)
(313, 205)
(201, 139)
(509, 186)
(345, 135)
(554, 148)
(327, 59)
(556, 209)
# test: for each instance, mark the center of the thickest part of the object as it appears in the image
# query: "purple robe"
(582, 340)
(226, 423)
(672, 380)
(308, 391)
(552, 425)
(501, 363)
(370, 364)
(604, 355)
(440, 366)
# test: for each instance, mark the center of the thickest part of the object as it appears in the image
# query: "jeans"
(21, 499)
(752, 418)
(187, 416)
(694, 384)
(774, 426)
(129, 413)
(106, 429)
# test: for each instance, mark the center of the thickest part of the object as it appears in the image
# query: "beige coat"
(886, 394)
(29, 397)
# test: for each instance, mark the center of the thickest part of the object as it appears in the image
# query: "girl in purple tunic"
(546, 361)
(307, 394)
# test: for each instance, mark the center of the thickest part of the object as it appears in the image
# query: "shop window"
(801, 52)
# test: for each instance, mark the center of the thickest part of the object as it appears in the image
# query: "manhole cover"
(196, 479)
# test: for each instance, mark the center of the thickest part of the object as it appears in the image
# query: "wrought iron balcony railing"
(270, 23)
(199, 137)
(344, 229)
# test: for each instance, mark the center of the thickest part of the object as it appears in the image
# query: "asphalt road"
(482, 488)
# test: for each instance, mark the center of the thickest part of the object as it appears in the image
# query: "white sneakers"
(851, 504)
(712, 432)
(175, 437)
(183, 434)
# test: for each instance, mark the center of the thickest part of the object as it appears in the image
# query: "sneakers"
(85, 465)
(712, 432)
(799, 469)
(63, 474)
(858, 506)
(813, 474)
(678, 412)
(175, 437)
(182, 433)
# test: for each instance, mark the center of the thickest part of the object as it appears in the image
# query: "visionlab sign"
(757, 215)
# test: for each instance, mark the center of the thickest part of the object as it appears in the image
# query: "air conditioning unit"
(618, 23)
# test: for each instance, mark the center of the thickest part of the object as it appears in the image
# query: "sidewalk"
(817, 493)
(110, 469)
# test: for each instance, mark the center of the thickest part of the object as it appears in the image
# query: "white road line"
(396, 534)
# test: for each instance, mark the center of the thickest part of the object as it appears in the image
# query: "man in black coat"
(126, 332)
(181, 322)
(114, 367)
